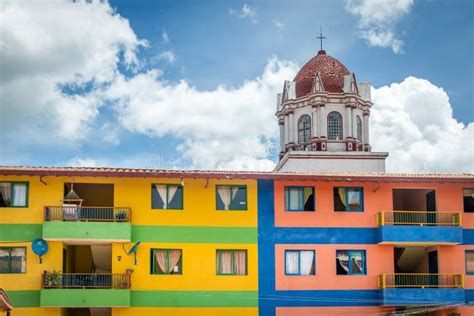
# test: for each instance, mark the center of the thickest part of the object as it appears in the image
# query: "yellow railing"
(420, 280)
(418, 218)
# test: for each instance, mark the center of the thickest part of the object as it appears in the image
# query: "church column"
(354, 123)
(365, 128)
(348, 125)
(287, 132)
(314, 120)
(323, 127)
(291, 127)
(281, 124)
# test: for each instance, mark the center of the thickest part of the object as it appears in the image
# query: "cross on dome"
(321, 37)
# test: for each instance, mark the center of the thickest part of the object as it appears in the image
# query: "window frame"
(230, 206)
(13, 195)
(465, 261)
(286, 202)
(167, 186)
(361, 192)
(10, 248)
(301, 129)
(463, 206)
(341, 127)
(364, 256)
(154, 270)
(299, 262)
(234, 273)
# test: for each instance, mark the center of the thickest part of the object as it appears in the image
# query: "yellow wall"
(199, 201)
(199, 268)
(35, 312)
(31, 280)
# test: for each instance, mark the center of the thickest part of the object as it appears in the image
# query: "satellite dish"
(40, 247)
(134, 251)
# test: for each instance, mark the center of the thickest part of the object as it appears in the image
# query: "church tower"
(323, 116)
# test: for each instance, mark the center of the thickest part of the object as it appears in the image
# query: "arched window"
(304, 129)
(359, 128)
(334, 126)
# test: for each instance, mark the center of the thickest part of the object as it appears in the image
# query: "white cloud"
(378, 20)
(279, 24)
(217, 127)
(246, 12)
(167, 56)
(164, 37)
(45, 46)
(413, 121)
(85, 162)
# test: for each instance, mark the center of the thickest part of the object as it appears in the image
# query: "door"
(433, 268)
(431, 207)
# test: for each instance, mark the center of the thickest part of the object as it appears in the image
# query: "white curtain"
(171, 192)
(19, 194)
(295, 199)
(306, 262)
(18, 262)
(226, 262)
(343, 257)
(354, 198)
(5, 190)
(4, 260)
(291, 262)
(162, 192)
(225, 195)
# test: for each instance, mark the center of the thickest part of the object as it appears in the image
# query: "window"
(231, 262)
(13, 260)
(348, 199)
(350, 262)
(231, 197)
(13, 194)
(304, 129)
(167, 196)
(334, 126)
(166, 261)
(300, 262)
(468, 197)
(359, 128)
(470, 262)
(299, 199)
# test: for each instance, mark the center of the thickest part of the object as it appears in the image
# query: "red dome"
(331, 70)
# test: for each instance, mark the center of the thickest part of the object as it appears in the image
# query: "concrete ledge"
(422, 297)
(420, 234)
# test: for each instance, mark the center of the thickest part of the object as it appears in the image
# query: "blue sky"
(229, 58)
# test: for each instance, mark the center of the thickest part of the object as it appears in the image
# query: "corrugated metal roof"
(218, 174)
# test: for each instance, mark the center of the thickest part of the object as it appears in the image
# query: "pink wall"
(322, 311)
(377, 197)
(379, 260)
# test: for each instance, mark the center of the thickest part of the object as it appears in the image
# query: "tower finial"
(321, 37)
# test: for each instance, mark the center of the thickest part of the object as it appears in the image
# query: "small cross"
(320, 37)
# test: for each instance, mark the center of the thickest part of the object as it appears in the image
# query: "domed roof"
(331, 70)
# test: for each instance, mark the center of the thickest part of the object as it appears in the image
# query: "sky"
(193, 84)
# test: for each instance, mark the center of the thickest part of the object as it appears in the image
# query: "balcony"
(85, 290)
(405, 289)
(85, 223)
(419, 227)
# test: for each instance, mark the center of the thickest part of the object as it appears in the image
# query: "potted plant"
(52, 279)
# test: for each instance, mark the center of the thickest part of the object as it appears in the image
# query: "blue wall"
(420, 234)
(423, 297)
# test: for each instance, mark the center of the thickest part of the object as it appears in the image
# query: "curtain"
(306, 262)
(175, 255)
(291, 262)
(160, 256)
(470, 262)
(162, 193)
(342, 256)
(295, 200)
(342, 195)
(354, 198)
(225, 262)
(171, 192)
(307, 194)
(5, 190)
(357, 262)
(225, 195)
(18, 260)
(19, 194)
(241, 262)
(4, 260)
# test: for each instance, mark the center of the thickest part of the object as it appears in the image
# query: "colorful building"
(327, 232)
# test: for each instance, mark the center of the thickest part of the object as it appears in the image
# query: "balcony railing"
(87, 213)
(418, 218)
(57, 280)
(420, 280)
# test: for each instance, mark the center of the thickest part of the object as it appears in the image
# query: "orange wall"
(379, 259)
(377, 197)
(451, 259)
